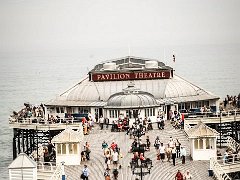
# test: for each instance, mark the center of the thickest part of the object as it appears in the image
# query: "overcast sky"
(27, 25)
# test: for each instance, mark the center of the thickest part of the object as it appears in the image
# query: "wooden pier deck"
(159, 171)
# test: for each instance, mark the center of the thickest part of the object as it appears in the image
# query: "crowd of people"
(141, 143)
(231, 102)
(29, 111)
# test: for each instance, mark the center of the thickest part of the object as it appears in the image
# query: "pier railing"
(217, 170)
(40, 120)
(57, 175)
(231, 143)
(46, 166)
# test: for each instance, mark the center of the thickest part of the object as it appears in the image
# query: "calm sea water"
(39, 77)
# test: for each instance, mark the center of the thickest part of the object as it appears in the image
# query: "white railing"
(46, 166)
(57, 175)
(231, 143)
(39, 120)
(217, 170)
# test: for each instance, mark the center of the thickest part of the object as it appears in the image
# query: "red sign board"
(130, 76)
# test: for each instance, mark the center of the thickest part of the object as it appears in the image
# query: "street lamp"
(220, 128)
(141, 168)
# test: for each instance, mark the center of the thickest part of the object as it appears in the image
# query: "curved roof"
(176, 88)
(131, 97)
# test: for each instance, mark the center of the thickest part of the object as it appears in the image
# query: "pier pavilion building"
(130, 86)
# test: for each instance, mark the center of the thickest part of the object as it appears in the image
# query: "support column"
(19, 147)
(23, 147)
(204, 143)
(67, 148)
(14, 144)
(198, 143)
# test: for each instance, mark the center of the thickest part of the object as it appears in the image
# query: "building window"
(196, 143)
(150, 112)
(75, 149)
(59, 149)
(71, 149)
(83, 110)
(60, 109)
(114, 113)
(64, 149)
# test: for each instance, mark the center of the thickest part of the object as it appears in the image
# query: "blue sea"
(37, 77)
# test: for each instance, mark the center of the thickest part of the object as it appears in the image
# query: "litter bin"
(210, 172)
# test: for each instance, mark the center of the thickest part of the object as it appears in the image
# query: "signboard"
(130, 76)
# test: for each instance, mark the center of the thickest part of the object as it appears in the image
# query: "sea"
(36, 77)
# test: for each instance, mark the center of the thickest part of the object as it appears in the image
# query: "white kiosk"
(23, 167)
(203, 142)
(68, 147)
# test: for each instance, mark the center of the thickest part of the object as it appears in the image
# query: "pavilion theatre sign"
(129, 76)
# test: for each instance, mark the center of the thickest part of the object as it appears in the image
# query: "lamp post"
(141, 168)
(220, 128)
(138, 167)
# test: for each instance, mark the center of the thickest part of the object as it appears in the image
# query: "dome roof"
(131, 97)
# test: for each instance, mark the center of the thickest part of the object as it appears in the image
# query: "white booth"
(203, 142)
(68, 146)
(23, 167)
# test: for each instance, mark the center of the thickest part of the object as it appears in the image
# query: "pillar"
(67, 148)
(204, 143)
(198, 143)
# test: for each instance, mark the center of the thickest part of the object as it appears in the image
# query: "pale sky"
(27, 25)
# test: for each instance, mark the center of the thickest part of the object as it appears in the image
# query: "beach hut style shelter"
(203, 142)
(68, 146)
(23, 167)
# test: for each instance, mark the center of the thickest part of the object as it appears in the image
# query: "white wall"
(203, 154)
(69, 159)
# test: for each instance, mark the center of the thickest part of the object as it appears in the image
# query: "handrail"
(230, 159)
(218, 171)
(57, 175)
(45, 166)
(39, 120)
(231, 143)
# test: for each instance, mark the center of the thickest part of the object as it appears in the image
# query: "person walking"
(174, 155)
(178, 145)
(87, 150)
(179, 175)
(85, 173)
(162, 152)
(168, 153)
(107, 174)
(157, 143)
(183, 154)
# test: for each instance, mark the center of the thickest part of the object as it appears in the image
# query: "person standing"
(85, 173)
(87, 150)
(183, 154)
(187, 175)
(101, 121)
(174, 155)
